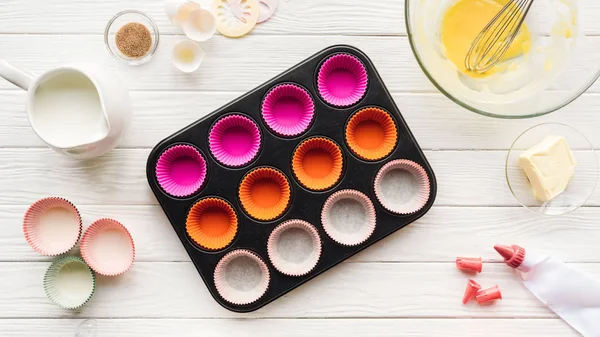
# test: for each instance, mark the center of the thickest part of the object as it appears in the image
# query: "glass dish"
(582, 184)
(119, 21)
(558, 69)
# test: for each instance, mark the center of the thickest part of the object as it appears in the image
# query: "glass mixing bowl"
(561, 65)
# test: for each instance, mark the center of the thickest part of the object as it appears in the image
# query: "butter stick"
(549, 166)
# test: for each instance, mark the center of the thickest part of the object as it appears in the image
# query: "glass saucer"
(582, 184)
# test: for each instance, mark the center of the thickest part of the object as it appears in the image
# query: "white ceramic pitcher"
(80, 110)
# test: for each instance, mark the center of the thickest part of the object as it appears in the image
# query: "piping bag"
(572, 295)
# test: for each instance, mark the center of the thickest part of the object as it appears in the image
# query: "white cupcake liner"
(348, 238)
(393, 195)
(69, 282)
(294, 268)
(228, 291)
(99, 251)
(63, 236)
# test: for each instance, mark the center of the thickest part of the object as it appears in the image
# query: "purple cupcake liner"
(181, 170)
(234, 140)
(288, 110)
(342, 80)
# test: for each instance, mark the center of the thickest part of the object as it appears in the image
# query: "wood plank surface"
(234, 64)
(465, 178)
(236, 327)
(406, 285)
(332, 17)
(436, 122)
(387, 290)
(439, 236)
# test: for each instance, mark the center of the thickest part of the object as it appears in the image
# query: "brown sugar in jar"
(134, 40)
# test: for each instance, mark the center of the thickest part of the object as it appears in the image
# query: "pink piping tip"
(288, 110)
(513, 255)
(181, 170)
(489, 295)
(471, 291)
(469, 264)
(234, 140)
(342, 80)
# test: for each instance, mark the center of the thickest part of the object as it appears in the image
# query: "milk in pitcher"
(67, 110)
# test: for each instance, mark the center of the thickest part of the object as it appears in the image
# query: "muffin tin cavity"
(212, 223)
(348, 217)
(342, 80)
(371, 134)
(291, 179)
(265, 193)
(294, 247)
(181, 170)
(288, 110)
(402, 187)
(242, 277)
(317, 163)
(234, 140)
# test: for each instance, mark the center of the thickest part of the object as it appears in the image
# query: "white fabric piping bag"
(572, 295)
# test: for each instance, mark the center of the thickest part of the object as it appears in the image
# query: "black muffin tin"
(277, 152)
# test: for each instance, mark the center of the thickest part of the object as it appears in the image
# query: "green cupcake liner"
(69, 282)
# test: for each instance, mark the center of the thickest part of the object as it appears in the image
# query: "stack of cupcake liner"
(52, 227)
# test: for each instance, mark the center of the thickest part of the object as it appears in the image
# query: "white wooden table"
(407, 285)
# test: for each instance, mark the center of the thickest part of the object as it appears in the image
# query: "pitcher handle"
(14, 75)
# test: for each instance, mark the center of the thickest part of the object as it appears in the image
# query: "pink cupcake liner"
(241, 277)
(107, 247)
(342, 80)
(288, 110)
(181, 170)
(348, 217)
(402, 187)
(234, 140)
(284, 249)
(52, 226)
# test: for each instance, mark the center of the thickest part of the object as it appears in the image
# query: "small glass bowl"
(119, 21)
(582, 184)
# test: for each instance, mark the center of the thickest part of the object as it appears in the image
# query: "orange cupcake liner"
(371, 134)
(212, 223)
(318, 163)
(265, 193)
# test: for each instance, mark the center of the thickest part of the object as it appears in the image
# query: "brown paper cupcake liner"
(52, 226)
(242, 277)
(402, 187)
(348, 217)
(287, 251)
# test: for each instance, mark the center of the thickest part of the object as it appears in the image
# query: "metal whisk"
(494, 40)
